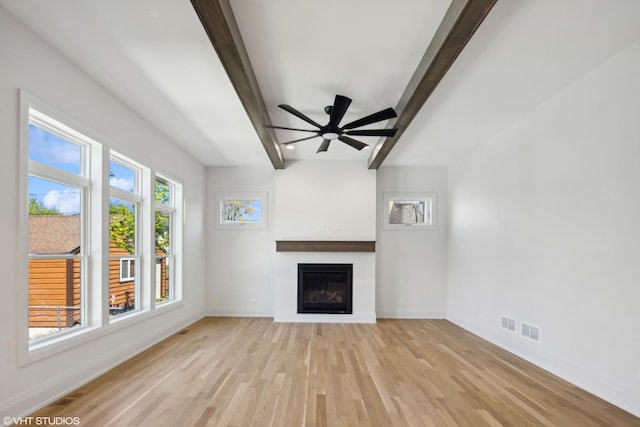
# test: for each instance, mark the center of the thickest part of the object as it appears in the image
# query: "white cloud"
(52, 148)
(64, 152)
(121, 183)
(65, 202)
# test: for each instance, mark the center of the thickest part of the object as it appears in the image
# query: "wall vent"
(508, 323)
(531, 332)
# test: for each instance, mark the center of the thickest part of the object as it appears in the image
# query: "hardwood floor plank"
(254, 372)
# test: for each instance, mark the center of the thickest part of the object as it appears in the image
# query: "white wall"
(411, 264)
(544, 228)
(239, 262)
(308, 200)
(29, 63)
(326, 200)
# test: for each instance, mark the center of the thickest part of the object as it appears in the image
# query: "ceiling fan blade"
(298, 114)
(352, 142)
(324, 146)
(385, 114)
(373, 132)
(286, 128)
(340, 106)
(301, 139)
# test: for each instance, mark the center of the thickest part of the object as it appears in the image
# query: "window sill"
(54, 345)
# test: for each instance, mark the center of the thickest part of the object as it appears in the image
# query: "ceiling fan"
(333, 130)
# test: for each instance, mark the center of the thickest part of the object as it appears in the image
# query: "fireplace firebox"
(325, 288)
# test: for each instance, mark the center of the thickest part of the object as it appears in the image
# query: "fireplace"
(325, 288)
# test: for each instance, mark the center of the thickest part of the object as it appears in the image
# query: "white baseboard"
(29, 401)
(410, 315)
(591, 382)
(221, 312)
(324, 318)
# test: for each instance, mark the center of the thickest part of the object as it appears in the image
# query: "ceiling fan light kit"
(332, 130)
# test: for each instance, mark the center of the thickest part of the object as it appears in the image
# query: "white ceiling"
(155, 56)
(305, 52)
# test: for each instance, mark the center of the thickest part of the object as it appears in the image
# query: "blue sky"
(48, 148)
(257, 214)
(54, 151)
(121, 177)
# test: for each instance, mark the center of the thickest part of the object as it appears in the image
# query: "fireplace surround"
(325, 288)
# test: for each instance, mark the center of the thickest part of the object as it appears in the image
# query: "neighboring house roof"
(57, 234)
(54, 234)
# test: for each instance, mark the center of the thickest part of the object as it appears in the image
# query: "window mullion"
(148, 239)
(125, 195)
(53, 174)
(98, 225)
(164, 208)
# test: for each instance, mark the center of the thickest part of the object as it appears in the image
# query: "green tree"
(162, 231)
(163, 195)
(122, 224)
(122, 230)
(38, 208)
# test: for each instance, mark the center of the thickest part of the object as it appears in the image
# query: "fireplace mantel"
(325, 246)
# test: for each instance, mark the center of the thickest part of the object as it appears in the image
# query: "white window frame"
(127, 277)
(175, 191)
(83, 184)
(430, 201)
(223, 197)
(96, 283)
(33, 111)
(134, 197)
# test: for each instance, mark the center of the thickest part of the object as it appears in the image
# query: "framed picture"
(410, 211)
(237, 210)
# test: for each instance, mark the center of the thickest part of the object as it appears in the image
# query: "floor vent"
(508, 323)
(531, 332)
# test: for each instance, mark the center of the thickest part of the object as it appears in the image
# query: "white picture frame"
(410, 211)
(241, 210)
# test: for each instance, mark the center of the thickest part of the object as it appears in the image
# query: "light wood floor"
(254, 372)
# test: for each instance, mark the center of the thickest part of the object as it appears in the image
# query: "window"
(58, 185)
(410, 211)
(124, 229)
(164, 240)
(242, 210)
(76, 281)
(127, 269)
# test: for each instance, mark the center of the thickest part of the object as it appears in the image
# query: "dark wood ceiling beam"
(460, 23)
(220, 25)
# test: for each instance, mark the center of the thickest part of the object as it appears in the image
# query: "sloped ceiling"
(156, 57)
